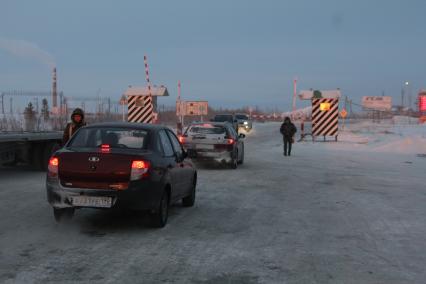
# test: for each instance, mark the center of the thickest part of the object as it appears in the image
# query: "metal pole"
(294, 93)
(2, 103)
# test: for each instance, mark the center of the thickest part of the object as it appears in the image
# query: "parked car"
(226, 118)
(243, 122)
(214, 142)
(129, 165)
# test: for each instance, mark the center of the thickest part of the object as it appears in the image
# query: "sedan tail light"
(53, 167)
(139, 169)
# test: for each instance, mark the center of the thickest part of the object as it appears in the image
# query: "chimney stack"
(54, 90)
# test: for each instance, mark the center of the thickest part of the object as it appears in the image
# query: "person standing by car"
(288, 129)
(77, 121)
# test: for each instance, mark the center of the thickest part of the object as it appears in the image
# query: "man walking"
(288, 130)
(77, 121)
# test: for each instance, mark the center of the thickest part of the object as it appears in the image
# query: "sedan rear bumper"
(211, 156)
(141, 195)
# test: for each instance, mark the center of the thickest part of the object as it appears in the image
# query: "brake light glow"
(105, 148)
(181, 139)
(139, 165)
(139, 169)
(52, 168)
(230, 141)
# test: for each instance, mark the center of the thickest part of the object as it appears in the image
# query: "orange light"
(181, 139)
(325, 106)
(54, 162)
(139, 165)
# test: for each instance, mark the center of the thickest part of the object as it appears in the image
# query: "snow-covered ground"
(347, 212)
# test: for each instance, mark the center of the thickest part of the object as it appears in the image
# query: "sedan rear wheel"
(159, 218)
(63, 214)
(241, 161)
(190, 199)
(234, 161)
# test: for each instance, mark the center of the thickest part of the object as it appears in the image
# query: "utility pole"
(294, 93)
(11, 105)
(2, 103)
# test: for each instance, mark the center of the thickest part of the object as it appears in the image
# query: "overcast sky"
(231, 53)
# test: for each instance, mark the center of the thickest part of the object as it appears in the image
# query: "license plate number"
(204, 147)
(92, 201)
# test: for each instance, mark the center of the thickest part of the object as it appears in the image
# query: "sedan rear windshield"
(114, 137)
(207, 129)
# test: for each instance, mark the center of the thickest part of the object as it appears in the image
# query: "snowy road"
(327, 214)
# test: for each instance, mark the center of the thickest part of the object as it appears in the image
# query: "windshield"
(242, 116)
(114, 137)
(223, 118)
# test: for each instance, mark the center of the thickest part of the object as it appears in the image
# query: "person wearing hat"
(288, 130)
(77, 121)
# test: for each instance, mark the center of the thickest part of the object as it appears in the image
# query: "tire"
(63, 214)
(234, 163)
(189, 200)
(160, 216)
(241, 161)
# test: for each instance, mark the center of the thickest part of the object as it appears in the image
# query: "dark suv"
(227, 118)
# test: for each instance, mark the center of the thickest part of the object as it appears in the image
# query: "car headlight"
(245, 122)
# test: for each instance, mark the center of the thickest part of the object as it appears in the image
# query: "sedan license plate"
(204, 146)
(92, 201)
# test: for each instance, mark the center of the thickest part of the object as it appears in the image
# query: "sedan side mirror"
(242, 135)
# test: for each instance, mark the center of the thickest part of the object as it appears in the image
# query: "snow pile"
(400, 135)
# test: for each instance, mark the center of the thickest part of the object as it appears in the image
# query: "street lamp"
(407, 84)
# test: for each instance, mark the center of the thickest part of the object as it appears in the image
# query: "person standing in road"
(77, 121)
(288, 129)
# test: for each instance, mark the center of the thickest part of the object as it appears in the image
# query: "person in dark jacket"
(77, 121)
(287, 130)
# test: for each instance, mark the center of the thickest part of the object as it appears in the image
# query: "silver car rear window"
(207, 129)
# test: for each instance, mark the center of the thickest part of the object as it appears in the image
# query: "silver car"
(214, 142)
(243, 122)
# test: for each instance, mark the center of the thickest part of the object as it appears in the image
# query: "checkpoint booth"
(325, 112)
(142, 103)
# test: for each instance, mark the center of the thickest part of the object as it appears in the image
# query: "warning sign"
(192, 108)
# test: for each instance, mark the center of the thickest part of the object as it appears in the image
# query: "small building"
(142, 102)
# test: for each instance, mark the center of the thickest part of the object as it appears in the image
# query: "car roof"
(129, 125)
(219, 123)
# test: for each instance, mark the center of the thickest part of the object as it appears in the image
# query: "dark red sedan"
(131, 165)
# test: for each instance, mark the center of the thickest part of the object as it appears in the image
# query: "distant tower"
(54, 91)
